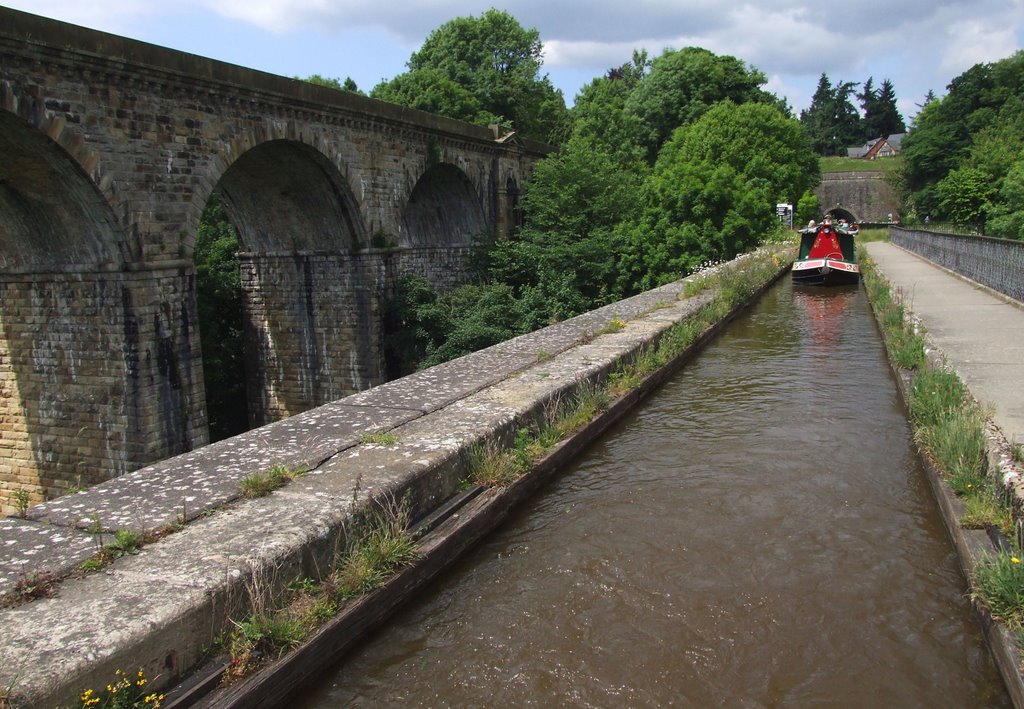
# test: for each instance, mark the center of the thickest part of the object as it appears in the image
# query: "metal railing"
(995, 263)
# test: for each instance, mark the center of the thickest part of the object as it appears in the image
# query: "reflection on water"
(758, 534)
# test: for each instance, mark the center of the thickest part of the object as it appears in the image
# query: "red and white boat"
(827, 256)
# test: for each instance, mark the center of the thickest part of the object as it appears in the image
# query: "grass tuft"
(490, 465)
(999, 581)
(381, 438)
(266, 481)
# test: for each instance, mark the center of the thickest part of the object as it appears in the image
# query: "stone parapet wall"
(995, 263)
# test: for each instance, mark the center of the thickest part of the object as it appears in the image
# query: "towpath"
(981, 334)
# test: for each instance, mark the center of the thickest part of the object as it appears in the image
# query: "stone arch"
(285, 196)
(304, 300)
(65, 323)
(53, 214)
(443, 210)
(840, 214)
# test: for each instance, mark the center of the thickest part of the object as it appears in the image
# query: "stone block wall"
(311, 330)
(110, 150)
(98, 376)
(996, 263)
(868, 196)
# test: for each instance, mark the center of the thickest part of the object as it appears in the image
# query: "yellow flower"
(1015, 560)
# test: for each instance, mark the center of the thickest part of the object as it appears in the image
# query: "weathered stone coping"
(971, 544)
(159, 609)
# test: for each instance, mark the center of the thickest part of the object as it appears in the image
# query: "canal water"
(758, 533)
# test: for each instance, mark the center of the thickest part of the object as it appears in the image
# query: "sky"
(919, 45)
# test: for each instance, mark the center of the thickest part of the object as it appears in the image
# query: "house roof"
(872, 146)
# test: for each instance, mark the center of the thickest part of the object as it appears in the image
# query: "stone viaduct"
(860, 197)
(110, 150)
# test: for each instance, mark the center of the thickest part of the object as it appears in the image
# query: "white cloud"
(918, 44)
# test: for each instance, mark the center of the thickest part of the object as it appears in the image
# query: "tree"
(347, 85)
(713, 189)
(1007, 215)
(881, 116)
(807, 208)
(867, 98)
(600, 111)
(683, 84)
(973, 126)
(496, 61)
(965, 195)
(831, 120)
(571, 209)
(431, 90)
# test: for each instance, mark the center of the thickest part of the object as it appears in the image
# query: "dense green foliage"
(485, 70)
(432, 90)
(834, 123)
(668, 164)
(347, 85)
(682, 85)
(965, 155)
(219, 302)
(709, 194)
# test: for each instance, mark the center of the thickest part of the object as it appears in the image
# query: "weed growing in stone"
(266, 481)
(999, 582)
(381, 438)
(125, 542)
(490, 465)
(380, 545)
(987, 506)
(613, 326)
(904, 343)
(125, 692)
(35, 584)
(935, 395)
(22, 499)
(958, 446)
(263, 636)
(5, 694)
(950, 427)
(588, 400)
(1017, 452)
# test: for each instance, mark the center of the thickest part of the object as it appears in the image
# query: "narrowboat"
(827, 256)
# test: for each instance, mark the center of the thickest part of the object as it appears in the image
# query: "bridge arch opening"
(66, 331)
(285, 336)
(838, 214)
(53, 214)
(443, 210)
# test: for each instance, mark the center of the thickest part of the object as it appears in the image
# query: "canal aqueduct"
(109, 151)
